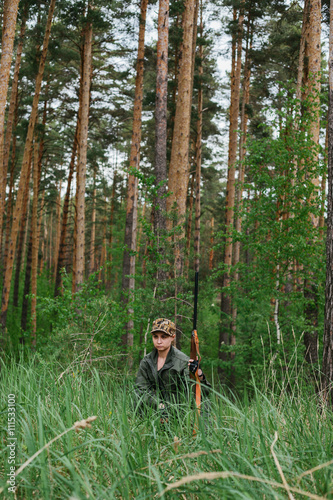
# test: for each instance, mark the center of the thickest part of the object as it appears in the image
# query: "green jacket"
(171, 384)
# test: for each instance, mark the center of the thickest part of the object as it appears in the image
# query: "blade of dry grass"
(209, 476)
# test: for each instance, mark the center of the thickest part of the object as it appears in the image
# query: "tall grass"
(126, 456)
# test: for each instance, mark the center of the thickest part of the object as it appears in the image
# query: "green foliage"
(282, 245)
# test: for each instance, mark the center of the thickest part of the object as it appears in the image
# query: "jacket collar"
(168, 361)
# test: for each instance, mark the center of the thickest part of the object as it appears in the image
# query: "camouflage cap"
(164, 325)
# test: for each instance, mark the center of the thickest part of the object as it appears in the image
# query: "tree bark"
(226, 320)
(113, 199)
(65, 212)
(11, 189)
(21, 238)
(211, 253)
(323, 191)
(32, 254)
(40, 222)
(327, 365)
(26, 289)
(11, 113)
(189, 227)
(35, 245)
(179, 167)
(198, 157)
(8, 35)
(24, 174)
(57, 232)
(312, 93)
(242, 146)
(93, 222)
(161, 130)
(128, 280)
(82, 156)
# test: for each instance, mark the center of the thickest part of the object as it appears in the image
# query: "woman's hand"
(193, 366)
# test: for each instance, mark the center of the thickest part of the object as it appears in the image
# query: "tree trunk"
(198, 157)
(323, 191)
(128, 280)
(43, 246)
(32, 258)
(189, 227)
(138, 243)
(93, 222)
(24, 174)
(22, 233)
(327, 366)
(211, 253)
(13, 104)
(313, 52)
(65, 212)
(161, 130)
(226, 335)
(40, 222)
(179, 168)
(82, 156)
(113, 199)
(11, 114)
(8, 35)
(11, 189)
(26, 289)
(102, 271)
(58, 230)
(242, 145)
(35, 245)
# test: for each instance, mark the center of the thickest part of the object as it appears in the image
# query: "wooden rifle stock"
(195, 353)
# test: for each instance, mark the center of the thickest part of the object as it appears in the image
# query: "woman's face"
(162, 341)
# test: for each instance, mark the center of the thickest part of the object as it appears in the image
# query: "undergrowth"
(262, 445)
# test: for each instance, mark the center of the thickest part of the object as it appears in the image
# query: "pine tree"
(161, 128)
(8, 35)
(82, 156)
(24, 173)
(178, 168)
(128, 280)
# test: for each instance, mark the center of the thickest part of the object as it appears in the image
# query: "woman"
(164, 374)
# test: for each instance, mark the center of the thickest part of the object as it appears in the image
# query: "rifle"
(195, 353)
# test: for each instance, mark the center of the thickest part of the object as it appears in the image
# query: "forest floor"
(274, 445)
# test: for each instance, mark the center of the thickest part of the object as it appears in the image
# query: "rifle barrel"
(195, 312)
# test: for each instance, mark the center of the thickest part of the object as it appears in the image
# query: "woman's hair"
(174, 341)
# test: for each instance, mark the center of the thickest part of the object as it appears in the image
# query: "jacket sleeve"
(144, 392)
